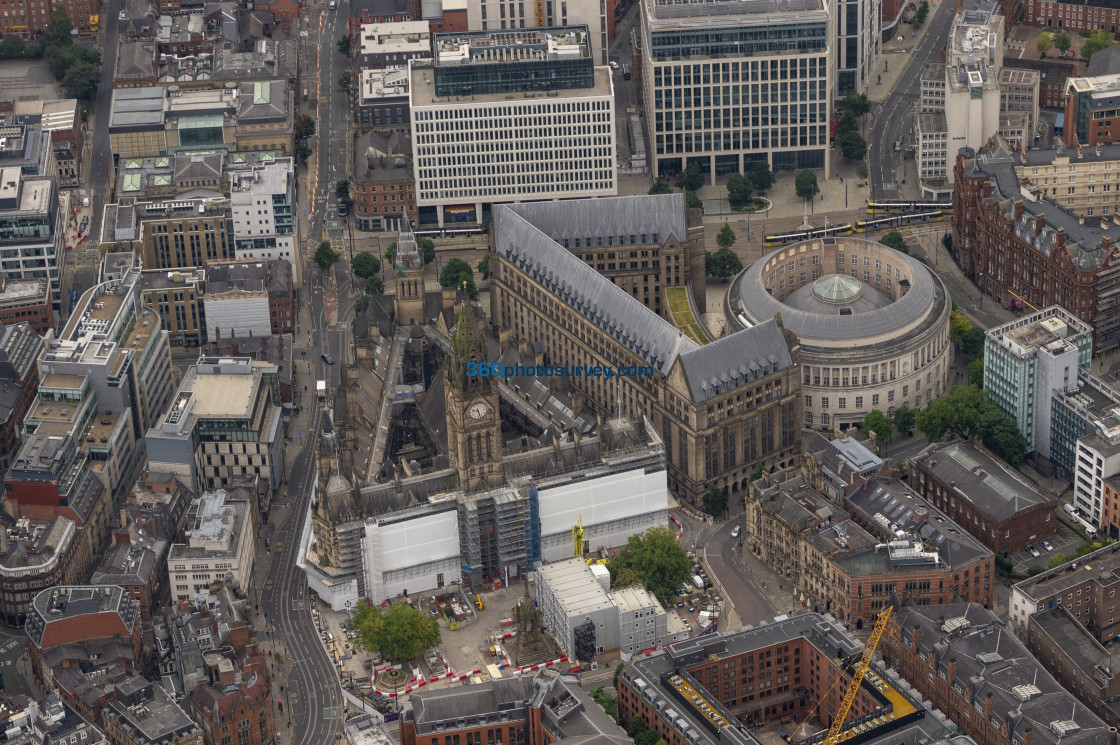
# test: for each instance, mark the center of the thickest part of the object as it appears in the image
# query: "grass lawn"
(682, 315)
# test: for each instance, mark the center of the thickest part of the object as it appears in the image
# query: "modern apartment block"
(728, 84)
(180, 234)
(263, 201)
(177, 297)
(970, 97)
(222, 424)
(1022, 250)
(32, 229)
(1028, 358)
(1091, 110)
(509, 116)
(597, 17)
(220, 545)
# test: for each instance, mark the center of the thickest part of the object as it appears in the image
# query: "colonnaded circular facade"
(873, 325)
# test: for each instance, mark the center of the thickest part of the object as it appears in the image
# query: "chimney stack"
(952, 669)
(1018, 208)
(917, 637)
(1028, 735)
(1039, 223)
(988, 702)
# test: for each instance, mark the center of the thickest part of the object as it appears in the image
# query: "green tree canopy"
(976, 372)
(627, 577)
(726, 236)
(739, 190)
(366, 265)
(343, 45)
(692, 201)
(657, 558)
(857, 103)
(893, 239)
(972, 342)
(484, 267)
(81, 80)
(861, 171)
(806, 185)
(903, 419)
(57, 32)
(1002, 436)
(877, 422)
(342, 191)
(636, 724)
(847, 123)
(401, 633)
(1098, 40)
(722, 264)
(1044, 43)
(457, 274)
(427, 249)
(958, 325)
(304, 127)
(1062, 42)
(715, 500)
(374, 285)
(761, 176)
(390, 252)
(325, 256)
(853, 146)
(956, 412)
(692, 179)
(12, 47)
(660, 187)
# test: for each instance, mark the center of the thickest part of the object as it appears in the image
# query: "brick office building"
(983, 495)
(1034, 250)
(1080, 663)
(1052, 73)
(961, 657)
(1086, 588)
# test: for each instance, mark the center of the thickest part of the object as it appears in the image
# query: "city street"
(892, 119)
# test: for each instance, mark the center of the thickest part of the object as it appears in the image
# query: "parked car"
(1047, 546)
(1033, 551)
(614, 65)
(735, 532)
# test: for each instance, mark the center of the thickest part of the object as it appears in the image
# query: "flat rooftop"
(574, 586)
(715, 9)
(23, 291)
(422, 91)
(1101, 566)
(1085, 651)
(220, 395)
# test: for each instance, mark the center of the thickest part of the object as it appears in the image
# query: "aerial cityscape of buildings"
(713, 372)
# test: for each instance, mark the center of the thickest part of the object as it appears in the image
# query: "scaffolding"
(493, 529)
(585, 642)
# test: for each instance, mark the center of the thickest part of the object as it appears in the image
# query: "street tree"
(853, 146)
(407, 633)
(761, 176)
(325, 256)
(12, 47)
(636, 724)
(342, 191)
(657, 558)
(427, 249)
(484, 267)
(877, 422)
(343, 45)
(861, 171)
(1001, 435)
(57, 32)
(957, 413)
(368, 623)
(857, 103)
(374, 285)
(958, 325)
(457, 274)
(1044, 43)
(303, 152)
(976, 372)
(903, 420)
(726, 236)
(390, 252)
(365, 265)
(692, 179)
(715, 500)
(847, 123)
(1098, 40)
(660, 187)
(894, 239)
(972, 342)
(304, 127)
(806, 185)
(722, 264)
(739, 190)
(1062, 42)
(81, 80)
(692, 201)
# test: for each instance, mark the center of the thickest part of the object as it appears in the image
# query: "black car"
(328, 359)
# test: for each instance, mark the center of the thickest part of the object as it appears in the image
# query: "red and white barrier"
(550, 663)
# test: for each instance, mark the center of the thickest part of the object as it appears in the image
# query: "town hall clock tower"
(474, 426)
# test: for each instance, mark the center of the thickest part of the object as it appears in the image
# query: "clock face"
(477, 411)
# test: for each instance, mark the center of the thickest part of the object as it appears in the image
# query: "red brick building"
(380, 11)
(536, 710)
(1011, 247)
(1080, 663)
(235, 697)
(970, 667)
(983, 495)
(70, 625)
(381, 181)
(26, 18)
(26, 300)
(1052, 77)
(1073, 17)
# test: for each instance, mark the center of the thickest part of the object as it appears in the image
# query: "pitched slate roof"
(526, 236)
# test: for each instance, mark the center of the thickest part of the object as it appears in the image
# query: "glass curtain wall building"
(727, 84)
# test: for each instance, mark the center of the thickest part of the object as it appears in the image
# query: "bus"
(781, 239)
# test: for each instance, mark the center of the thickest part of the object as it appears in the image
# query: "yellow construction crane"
(577, 537)
(857, 678)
